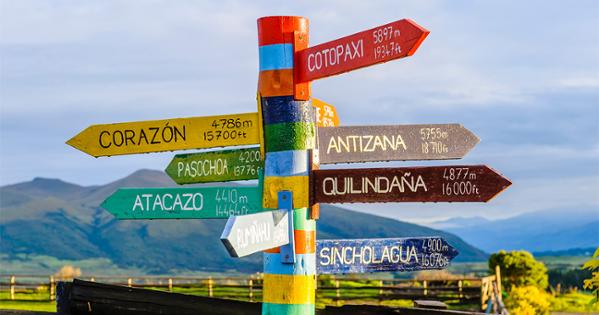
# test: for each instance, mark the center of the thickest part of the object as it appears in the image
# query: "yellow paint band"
(289, 289)
(299, 185)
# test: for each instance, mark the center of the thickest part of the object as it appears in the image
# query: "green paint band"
(301, 220)
(289, 136)
(288, 309)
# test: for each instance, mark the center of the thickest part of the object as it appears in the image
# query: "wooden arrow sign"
(394, 143)
(215, 166)
(184, 203)
(381, 44)
(464, 183)
(383, 255)
(326, 114)
(247, 234)
(168, 135)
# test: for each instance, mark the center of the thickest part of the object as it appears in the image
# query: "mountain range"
(54, 218)
(552, 230)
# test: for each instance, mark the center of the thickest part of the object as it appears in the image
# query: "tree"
(593, 282)
(519, 269)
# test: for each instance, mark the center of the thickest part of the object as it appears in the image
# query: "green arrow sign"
(184, 203)
(215, 166)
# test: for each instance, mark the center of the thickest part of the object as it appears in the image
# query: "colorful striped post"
(288, 142)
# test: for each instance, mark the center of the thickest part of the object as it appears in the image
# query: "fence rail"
(249, 288)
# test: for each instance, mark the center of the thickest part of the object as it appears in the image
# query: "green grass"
(574, 302)
(30, 300)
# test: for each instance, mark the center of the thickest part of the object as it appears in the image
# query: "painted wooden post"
(288, 141)
(13, 282)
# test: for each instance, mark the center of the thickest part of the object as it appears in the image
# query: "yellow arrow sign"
(168, 135)
(326, 114)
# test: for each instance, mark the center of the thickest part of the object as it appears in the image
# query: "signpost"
(394, 143)
(184, 203)
(284, 127)
(247, 234)
(326, 114)
(215, 166)
(383, 255)
(380, 44)
(464, 183)
(168, 135)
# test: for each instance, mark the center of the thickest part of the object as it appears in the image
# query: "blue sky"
(522, 75)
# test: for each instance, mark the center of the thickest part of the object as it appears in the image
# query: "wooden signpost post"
(295, 135)
(215, 166)
(168, 135)
(394, 143)
(383, 255)
(247, 234)
(463, 183)
(184, 203)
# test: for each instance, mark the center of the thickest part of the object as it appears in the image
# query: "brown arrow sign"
(463, 183)
(394, 143)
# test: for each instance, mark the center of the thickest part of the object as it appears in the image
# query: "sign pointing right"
(394, 143)
(381, 44)
(463, 183)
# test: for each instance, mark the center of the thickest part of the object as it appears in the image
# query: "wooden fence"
(468, 290)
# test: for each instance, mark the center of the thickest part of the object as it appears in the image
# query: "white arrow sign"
(247, 234)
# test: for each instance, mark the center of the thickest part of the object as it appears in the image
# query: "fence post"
(52, 288)
(498, 278)
(170, 285)
(460, 289)
(337, 292)
(13, 282)
(92, 279)
(130, 282)
(251, 289)
(424, 285)
(210, 286)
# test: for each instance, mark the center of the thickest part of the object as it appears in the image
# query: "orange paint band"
(275, 82)
(305, 243)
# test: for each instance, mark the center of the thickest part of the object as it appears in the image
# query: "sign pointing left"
(168, 135)
(247, 234)
(184, 203)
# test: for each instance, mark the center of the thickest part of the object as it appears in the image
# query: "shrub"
(528, 300)
(518, 269)
(593, 282)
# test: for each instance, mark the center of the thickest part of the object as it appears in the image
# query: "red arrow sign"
(380, 44)
(464, 183)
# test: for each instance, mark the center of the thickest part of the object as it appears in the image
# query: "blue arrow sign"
(383, 255)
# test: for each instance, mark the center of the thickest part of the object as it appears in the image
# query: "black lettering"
(100, 139)
(122, 139)
(177, 132)
(170, 129)
(129, 134)
(142, 134)
(154, 135)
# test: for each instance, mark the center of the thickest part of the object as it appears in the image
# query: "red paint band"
(279, 29)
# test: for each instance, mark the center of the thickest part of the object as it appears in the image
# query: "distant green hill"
(54, 218)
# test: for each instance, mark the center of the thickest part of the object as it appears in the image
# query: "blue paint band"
(287, 163)
(284, 109)
(305, 264)
(276, 57)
